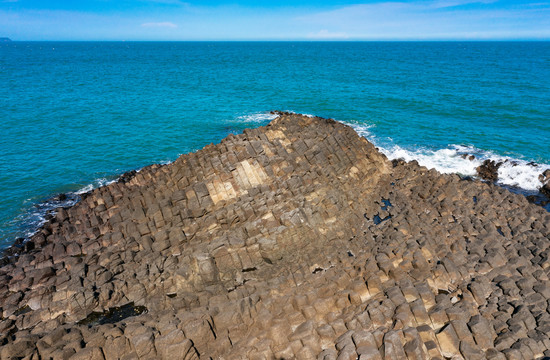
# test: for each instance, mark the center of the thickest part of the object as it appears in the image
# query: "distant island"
(5, 39)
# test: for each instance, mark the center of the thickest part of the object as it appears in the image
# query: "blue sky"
(274, 20)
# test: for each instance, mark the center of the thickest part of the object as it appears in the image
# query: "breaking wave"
(457, 159)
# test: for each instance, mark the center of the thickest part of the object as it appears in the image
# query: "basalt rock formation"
(489, 170)
(294, 240)
(545, 180)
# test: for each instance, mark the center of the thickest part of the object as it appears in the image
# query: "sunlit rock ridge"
(294, 240)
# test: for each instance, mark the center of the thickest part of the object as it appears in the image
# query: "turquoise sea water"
(77, 114)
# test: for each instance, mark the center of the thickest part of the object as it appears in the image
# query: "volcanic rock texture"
(295, 240)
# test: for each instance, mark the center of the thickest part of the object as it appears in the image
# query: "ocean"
(75, 115)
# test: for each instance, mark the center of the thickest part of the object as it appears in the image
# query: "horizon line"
(292, 40)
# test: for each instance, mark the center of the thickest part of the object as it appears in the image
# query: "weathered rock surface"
(545, 180)
(296, 240)
(488, 170)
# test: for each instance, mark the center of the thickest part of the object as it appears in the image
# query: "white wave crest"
(85, 189)
(521, 174)
(266, 116)
(97, 183)
(447, 161)
(455, 160)
(256, 117)
(362, 129)
(297, 113)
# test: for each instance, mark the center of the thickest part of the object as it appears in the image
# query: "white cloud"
(438, 4)
(159, 25)
(385, 20)
(171, 2)
(325, 34)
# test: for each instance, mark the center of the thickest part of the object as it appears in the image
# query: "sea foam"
(256, 117)
(513, 172)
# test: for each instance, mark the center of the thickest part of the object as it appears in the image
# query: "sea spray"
(462, 160)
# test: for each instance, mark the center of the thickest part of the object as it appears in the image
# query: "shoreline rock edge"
(294, 240)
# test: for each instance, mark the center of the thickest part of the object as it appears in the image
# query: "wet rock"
(113, 315)
(468, 156)
(127, 176)
(488, 170)
(545, 180)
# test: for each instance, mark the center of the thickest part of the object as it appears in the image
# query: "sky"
(275, 20)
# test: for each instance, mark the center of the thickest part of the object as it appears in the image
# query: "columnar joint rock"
(294, 240)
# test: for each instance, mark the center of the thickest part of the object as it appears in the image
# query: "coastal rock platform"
(297, 240)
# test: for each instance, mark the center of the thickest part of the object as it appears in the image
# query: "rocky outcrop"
(295, 240)
(545, 180)
(489, 170)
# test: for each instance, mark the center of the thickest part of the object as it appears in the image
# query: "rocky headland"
(294, 240)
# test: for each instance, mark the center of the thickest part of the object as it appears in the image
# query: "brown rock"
(17, 349)
(448, 341)
(93, 353)
(470, 351)
(173, 345)
(484, 335)
(142, 340)
(489, 170)
(545, 180)
(294, 240)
